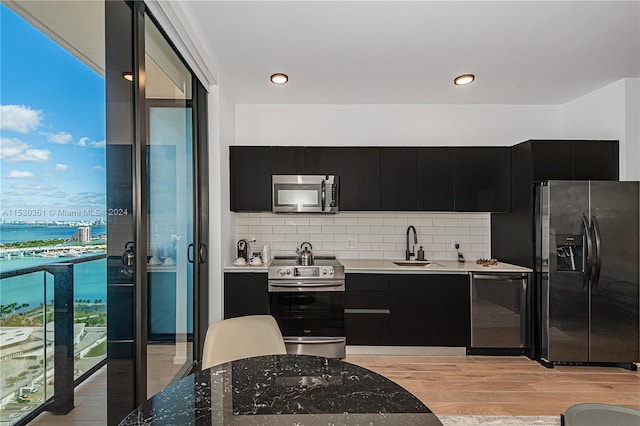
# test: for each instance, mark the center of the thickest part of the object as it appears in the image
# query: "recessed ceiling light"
(463, 79)
(127, 76)
(279, 78)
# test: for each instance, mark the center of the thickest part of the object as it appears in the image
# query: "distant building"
(82, 235)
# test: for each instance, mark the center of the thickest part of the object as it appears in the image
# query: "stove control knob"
(281, 272)
(324, 271)
(288, 271)
(331, 270)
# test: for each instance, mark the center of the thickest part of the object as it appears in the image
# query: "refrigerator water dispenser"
(569, 253)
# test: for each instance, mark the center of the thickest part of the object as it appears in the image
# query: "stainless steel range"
(308, 304)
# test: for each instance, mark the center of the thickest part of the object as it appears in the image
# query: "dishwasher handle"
(500, 277)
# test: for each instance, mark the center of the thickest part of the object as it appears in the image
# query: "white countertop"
(380, 266)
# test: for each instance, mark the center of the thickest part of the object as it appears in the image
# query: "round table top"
(283, 389)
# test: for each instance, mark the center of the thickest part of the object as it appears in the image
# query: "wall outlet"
(351, 244)
(453, 244)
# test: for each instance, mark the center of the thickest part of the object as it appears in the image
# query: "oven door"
(310, 316)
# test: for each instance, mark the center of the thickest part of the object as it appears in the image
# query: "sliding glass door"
(157, 168)
(170, 189)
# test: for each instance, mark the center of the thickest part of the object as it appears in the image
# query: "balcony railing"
(51, 334)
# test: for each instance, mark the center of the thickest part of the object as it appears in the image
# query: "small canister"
(421, 254)
(266, 254)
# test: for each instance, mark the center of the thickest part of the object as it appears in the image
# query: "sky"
(52, 128)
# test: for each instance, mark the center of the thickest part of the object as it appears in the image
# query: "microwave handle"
(324, 194)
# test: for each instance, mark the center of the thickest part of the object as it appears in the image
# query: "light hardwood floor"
(449, 386)
(503, 386)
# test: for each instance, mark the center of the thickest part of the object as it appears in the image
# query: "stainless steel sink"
(415, 263)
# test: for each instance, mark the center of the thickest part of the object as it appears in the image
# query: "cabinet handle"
(367, 311)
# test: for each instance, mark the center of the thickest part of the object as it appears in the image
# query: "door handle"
(190, 253)
(598, 247)
(324, 194)
(202, 253)
(587, 267)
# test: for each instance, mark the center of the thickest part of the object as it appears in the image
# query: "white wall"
(410, 125)
(222, 221)
(611, 112)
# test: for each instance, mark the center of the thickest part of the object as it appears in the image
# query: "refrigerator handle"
(588, 261)
(598, 247)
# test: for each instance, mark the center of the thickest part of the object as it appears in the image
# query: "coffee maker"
(243, 249)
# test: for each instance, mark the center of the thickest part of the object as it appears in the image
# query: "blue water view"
(15, 232)
(89, 277)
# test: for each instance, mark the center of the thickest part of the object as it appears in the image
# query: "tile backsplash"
(369, 235)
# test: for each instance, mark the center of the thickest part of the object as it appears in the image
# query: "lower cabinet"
(245, 294)
(366, 318)
(408, 310)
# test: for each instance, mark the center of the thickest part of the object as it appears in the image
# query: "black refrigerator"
(587, 271)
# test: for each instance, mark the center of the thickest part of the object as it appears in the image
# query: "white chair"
(594, 414)
(242, 337)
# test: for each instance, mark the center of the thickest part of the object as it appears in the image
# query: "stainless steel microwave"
(304, 194)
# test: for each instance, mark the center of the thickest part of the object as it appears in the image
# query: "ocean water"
(11, 233)
(35, 288)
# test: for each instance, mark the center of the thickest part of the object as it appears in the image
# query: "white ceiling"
(396, 52)
(389, 52)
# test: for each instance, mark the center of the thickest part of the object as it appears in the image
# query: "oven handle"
(319, 341)
(305, 284)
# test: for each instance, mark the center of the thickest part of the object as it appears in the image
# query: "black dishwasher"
(498, 312)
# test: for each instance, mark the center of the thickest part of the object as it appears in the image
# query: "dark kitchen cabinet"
(595, 160)
(398, 179)
(409, 302)
(287, 160)
(482, 179)
(367, 309)
(250, 178)
(435, 179)
(245, 294)
(449, 310)
(430, 310)
(359, 178)
(322, 160)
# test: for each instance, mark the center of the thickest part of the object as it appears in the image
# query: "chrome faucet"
(407, 253)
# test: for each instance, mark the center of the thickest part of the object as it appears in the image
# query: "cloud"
(86, 141)
(19, 118)
(15, 151)
(99, 169)
(61, 168)
(60, 137)
(32, 186)
(16, 174)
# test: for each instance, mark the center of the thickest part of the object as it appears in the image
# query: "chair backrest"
(242, 337)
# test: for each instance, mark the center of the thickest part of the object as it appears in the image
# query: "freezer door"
(614, 295)
(565, 297)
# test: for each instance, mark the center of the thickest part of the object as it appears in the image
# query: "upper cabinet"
(482, 179)
(287, 160)
(595, 160)
(322, 160)
(398, 179)
(250, 178)
(359, 178)
(380, 178)
(435, 179)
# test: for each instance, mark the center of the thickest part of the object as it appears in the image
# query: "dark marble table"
(283, 390)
